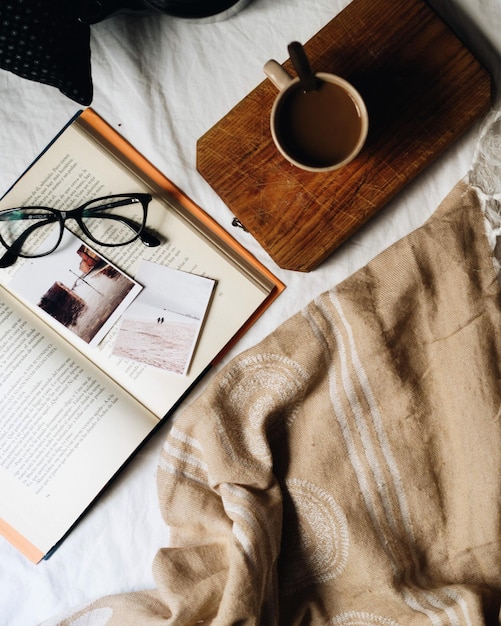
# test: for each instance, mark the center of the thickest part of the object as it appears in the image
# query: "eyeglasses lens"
(114, 221)
(31, 231)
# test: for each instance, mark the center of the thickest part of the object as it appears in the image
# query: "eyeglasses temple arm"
(8, 259)
(12, 253)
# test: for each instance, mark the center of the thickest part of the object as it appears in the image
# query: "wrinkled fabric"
(346, 470)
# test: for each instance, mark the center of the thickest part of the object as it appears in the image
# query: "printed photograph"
(162, 326)
(77, 287)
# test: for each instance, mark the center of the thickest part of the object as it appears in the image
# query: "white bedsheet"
(162, 83)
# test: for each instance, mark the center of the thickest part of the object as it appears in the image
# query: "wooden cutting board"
(422, 88)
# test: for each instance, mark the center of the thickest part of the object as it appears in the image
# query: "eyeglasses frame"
(77, 214)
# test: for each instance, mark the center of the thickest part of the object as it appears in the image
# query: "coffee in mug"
(318, 130)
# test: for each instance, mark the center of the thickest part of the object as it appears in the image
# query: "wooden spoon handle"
(302, 66)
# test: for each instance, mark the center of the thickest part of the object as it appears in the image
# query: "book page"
(57, 412)
(76, 169)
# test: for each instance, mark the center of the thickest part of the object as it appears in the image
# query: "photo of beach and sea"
(162, 326)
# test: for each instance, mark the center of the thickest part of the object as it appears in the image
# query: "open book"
(73, 413)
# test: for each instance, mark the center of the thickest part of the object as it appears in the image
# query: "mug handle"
(277, 74)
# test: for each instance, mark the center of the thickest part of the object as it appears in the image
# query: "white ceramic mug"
(318, 131)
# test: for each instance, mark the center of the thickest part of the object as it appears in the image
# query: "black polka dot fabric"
(42, 40)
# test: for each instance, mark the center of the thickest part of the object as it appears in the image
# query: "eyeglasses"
(35, 231)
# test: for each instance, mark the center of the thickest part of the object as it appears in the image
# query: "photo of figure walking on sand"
(162, 326)
(78, 288)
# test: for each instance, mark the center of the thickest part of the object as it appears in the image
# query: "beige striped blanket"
(346, 471)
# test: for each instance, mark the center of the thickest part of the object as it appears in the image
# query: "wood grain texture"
(422, 88)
